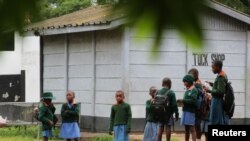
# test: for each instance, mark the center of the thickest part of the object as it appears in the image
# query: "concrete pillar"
(125, 62)
(247, 97)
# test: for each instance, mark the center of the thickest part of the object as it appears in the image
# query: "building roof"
(229, 11)
(101, 17)
(96, 15)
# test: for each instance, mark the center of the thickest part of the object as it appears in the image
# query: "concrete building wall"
(96, 64)
(26, 57)
(108, 70)
(31, 64)
(54, 65)
(224, 38)
(87, 63)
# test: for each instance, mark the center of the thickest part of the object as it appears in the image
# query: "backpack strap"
(168, 92)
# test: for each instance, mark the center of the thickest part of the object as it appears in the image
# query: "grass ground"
(30, 133)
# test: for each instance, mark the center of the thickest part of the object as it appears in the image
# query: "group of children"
(121, 116)
(194, 121)
(69, 114)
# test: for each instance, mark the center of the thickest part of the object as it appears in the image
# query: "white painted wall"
(54, 66)
(247, 97)
(31, 64)
(108, 70)
(80, 70)
(234, 49)
(223, 35)
(26, 56)
(93, 69)
(146, 70)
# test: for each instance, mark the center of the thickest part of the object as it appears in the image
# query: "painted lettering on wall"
(202, 59)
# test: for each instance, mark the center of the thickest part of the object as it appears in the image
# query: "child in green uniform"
(47, 115)
(151, 128)
(166, 90)
(189, 107)
(195, 73)
(70, 117)
(120, 118)
(217, 114)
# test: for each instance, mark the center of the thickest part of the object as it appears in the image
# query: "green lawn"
(31, 133)
(23, 133)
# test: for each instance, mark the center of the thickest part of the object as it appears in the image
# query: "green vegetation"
(102, 138)
(152, 18)
(147, 16)
(55, 8)
(16, 139)
(30, 133)
(24, 132)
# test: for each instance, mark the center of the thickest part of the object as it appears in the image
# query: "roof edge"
(228, 11)
(43, 32)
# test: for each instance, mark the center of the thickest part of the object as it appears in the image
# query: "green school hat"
(48, 95)
(188, 78)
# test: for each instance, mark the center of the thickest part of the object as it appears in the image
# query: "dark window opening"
(7, 42)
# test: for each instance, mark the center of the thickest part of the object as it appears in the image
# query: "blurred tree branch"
(14, 15)
(153, 17)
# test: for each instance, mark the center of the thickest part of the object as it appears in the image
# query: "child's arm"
(129, 119)
(148, 106)
(75, 111)
(220, 89)
(174, 105)
(63, 111)
(52, 108)
(112, 118)
(42, 117)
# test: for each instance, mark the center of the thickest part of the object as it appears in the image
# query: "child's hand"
(207, 89)
(128, 131)
(74, 102)
(179, 102)
(51, 123)
(36, 110)
(210, 83)
(151, 100)
(176, 117)
(110, 133)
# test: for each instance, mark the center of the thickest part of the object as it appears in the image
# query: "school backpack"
(201, 103)
(228, 100)
(36, 110)
(161, 107)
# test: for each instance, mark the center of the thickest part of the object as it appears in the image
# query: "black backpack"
(161, 107)
(228, 100)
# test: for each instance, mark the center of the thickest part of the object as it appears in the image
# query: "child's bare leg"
(192, 130)
(187, 133)
(45, 138)
(168, 132)
(160, 132)
(206, 136)
(198, 130)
